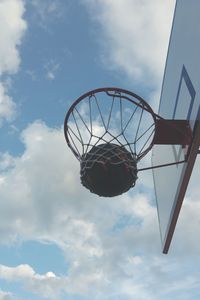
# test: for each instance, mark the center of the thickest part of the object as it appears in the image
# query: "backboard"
(180, 99)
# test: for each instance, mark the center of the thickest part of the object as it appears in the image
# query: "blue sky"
(58, 241)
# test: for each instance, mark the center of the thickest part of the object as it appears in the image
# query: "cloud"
(46, 11)
(51, 69)
(111, 245)
(12, 29)
(42, 192)
(134, 36)
(22, 271)
(7, 105)
(46, 285)
(7, 296)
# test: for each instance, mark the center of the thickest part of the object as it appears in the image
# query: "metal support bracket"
(172, 132)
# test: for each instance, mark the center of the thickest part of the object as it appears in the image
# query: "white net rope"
(110, 117)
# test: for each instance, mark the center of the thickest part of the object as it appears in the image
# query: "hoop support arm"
(172, 132)
(164, 165)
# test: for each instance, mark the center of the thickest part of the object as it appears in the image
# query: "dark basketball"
(108, 170)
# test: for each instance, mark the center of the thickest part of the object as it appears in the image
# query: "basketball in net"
(109, 130)
(108, 170)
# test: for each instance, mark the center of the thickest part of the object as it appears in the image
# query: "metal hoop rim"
(146, 107)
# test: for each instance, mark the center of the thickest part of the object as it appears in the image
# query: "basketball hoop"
(109, 130)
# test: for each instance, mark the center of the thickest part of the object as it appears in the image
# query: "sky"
(57, 240)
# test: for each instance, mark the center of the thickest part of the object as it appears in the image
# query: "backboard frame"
(186, 174)
(180, 77)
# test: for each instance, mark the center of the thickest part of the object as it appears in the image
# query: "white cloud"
(134, 36)
(51, 69)
(7, 296)
(22, 271)
(12, 29)
(46, 11)
(46, 285)
(7, 105)
(6, 161)
(111, 244)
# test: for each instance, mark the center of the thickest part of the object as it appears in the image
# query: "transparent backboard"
(180, 99)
